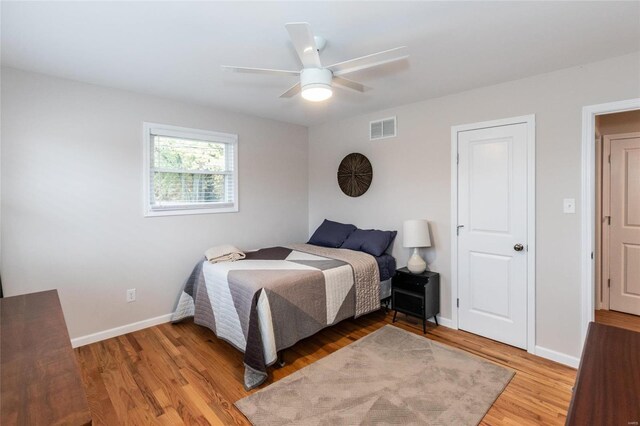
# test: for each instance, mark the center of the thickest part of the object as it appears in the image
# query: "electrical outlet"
(131, 295)
(569, 205)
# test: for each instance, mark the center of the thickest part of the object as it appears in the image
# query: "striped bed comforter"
(277, 296)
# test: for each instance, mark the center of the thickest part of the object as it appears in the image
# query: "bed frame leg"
(280, 362)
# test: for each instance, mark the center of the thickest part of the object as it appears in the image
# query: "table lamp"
(416, 234)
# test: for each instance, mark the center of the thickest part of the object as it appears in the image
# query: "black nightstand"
(417, 295)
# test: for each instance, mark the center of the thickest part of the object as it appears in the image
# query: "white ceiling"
(175, 49)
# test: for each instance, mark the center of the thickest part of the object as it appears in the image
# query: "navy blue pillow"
(370, 241)
(331, 234)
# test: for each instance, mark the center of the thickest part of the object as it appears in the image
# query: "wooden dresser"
(607, 389)
(41, 382)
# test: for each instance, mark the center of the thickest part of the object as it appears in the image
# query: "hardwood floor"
(182, 374)
(618, 319)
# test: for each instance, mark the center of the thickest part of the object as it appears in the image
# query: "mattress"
(385, 289)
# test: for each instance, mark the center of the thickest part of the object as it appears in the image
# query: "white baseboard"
(445, 322)
(135, 326)
(565, 359)
(118, 331)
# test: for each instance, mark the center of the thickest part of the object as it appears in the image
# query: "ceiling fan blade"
(350, 84)
(259, 70)
(302, 39)
(369, 61)
(292, 91)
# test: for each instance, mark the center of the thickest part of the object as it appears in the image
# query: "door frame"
(530, 121)
(588, 204)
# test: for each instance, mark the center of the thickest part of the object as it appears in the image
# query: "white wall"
(72, 203)
(411, 176)
(72, 197)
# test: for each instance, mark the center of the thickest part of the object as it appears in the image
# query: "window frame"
(228, 139)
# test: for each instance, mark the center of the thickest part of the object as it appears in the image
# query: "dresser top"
(607, 389)
(41, 383)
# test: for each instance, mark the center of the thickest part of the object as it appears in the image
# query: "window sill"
(184, 212)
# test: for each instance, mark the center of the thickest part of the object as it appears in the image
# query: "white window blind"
(189, 171)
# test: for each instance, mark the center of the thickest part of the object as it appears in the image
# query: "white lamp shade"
(416, 233)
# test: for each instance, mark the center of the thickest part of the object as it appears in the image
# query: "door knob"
(518, 247)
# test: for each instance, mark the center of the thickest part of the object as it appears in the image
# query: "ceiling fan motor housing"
(315, 77)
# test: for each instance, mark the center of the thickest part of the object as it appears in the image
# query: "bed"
(277, 296)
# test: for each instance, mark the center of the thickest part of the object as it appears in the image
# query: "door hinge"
(457, 303)
(458, 229)
(609, 282)
(609, 158)
(609, 220)
(591, 255)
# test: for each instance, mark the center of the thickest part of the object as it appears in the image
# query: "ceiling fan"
(315, 80)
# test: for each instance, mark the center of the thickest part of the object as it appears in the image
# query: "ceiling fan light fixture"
(316, 84)
(317, 92)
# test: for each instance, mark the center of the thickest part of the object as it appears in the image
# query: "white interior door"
(492, 238)
(624, 230)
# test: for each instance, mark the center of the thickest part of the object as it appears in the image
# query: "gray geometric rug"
(390, 376)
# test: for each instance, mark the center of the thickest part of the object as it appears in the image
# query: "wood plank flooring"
(182, 374)
(618, 319)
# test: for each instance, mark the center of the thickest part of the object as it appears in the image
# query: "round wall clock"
(355, 174)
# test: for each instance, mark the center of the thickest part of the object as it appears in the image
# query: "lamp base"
(415, 264)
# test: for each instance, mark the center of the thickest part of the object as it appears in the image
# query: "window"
(189, 171)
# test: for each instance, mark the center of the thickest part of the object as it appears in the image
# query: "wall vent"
(382, 129)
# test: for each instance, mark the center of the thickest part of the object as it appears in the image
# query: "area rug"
(390, 376)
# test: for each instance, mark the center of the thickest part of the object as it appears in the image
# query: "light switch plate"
(569, 205)
(131, 295)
